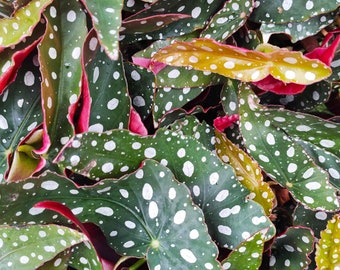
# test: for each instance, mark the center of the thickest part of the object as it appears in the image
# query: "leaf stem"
(137, 264)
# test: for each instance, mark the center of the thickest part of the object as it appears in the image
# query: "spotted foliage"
(33, 245)
(188, 160)
(276, 149)
(241, 64)
(327, 249)
(157, 204)
(295, 240)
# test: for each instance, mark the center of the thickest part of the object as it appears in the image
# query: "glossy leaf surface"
(273, 146)
(142, 214)
(36, 244)
(247, 171)
(213, 185)
(291, 249)
(327, 249)
(242, 64)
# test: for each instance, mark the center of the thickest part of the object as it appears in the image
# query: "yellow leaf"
(247, 171)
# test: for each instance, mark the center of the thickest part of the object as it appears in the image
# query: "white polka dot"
(110, 146)
(105, 211)
(153, 210)
(213, 178)
(113, 104)
(270, 139)
(313, 185)
(29, 78)
(52, 52)
(307, 174)
(76, 53)
(310, 76)
(196, 12)
(334, 173)
(180, 217)
(24, 259)
(150, 152)
(188, 168)
(71, 16)
(147, 192)
(173, 74)
(327, 143)
(107, 167)
(49, 185)
(181, 153)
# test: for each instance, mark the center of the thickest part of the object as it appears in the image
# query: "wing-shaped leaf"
(212, 184)
(20, 110)
(22, 23)
(60, 64)
(106, 18)
(147, 213)
(279, 156)
(29, 246)
(290, 250)
(247, 171)
(327, 249)
(245, 65)
(110, 103)
(228, 20)
(248, 255)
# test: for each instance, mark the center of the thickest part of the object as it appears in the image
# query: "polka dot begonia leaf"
(327, 249)
(300, 30)
(60, 53)
(28, 247)
(81, 257)
(106, 18)
(21, 24)
(267, 11)
(242, 64)
(110, 103)
(12, 57)
(273, 146)
(149, 24)
(290, 250)
(248, 255)
(228, 20)
(247, 171)
(191, 126)
(141, 84)
(212, 184)
(145, 214)
(316, 220)
(169, 99)
(309, 99)
(20, 110)
(200, 12)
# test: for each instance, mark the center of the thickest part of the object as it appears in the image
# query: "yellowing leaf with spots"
(247, 171)
(22, 23)
(328, 249)
(242, 64)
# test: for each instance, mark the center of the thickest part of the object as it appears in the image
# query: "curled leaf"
(242, 64)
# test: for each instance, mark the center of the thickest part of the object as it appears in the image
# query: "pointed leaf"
(248, 255)
(242, 64)
(247, 171)
(22, 23)
(20, 110)
(110, 103)
(291, 249)
(60, 64)
(212, 184)
(280, 157)
(147, 213)
(327, 249)
(35, 244)
(228, 20)
(106, 18)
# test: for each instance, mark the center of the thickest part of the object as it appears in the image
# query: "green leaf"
(199, 11)
(248, 255)
(22, 23)
(327, 249)
(147, 213)
(20, 110)
(110, 103)
(316, 220)
(141, 84)
(247, 171)
(106, 19)
(242, 64)
(60, 64)
(30, 246)
(274, 148)
(287, 11)
(228, 20)
(213, 185)
(291, 249)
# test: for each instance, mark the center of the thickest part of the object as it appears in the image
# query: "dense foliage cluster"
(158, 134)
